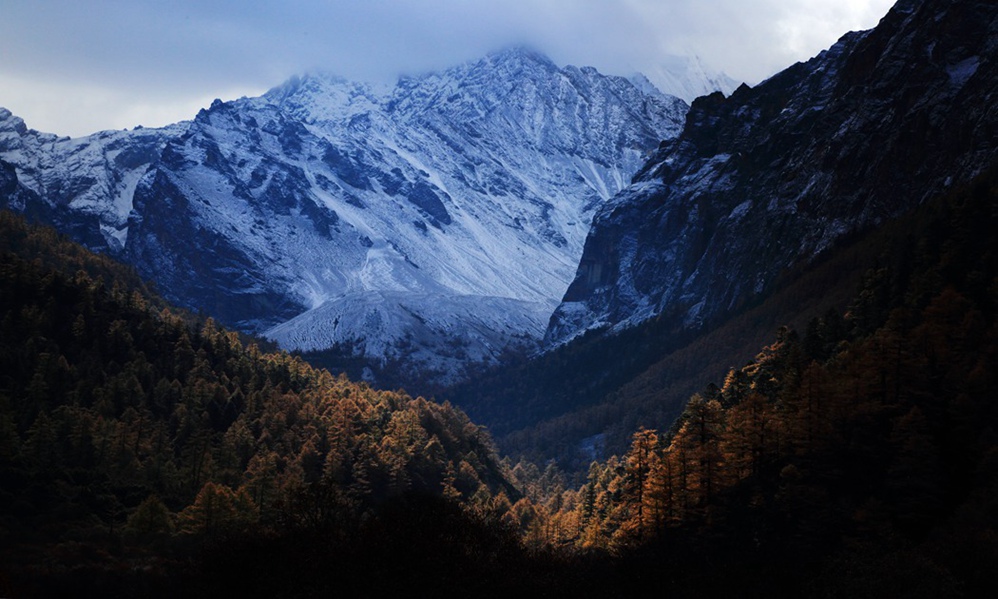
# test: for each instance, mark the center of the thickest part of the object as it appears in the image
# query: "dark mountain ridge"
(775, 174)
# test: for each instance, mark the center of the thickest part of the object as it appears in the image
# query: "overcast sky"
(74, 67)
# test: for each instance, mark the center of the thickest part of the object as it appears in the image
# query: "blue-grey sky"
(77, 66)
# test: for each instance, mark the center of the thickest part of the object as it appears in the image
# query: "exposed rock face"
(82, 186)
(436, 222)
(774, 175)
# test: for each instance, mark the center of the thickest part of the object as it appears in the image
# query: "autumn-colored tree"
(699, 447)
(150, 519)
(751, 437)
(638, 465)
(216, 509)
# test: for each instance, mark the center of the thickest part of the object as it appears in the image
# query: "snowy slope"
(435, 222)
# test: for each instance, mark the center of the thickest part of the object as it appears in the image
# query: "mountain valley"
(719, 344)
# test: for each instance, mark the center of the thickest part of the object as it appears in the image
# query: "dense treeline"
(857, 459)
(129, 432)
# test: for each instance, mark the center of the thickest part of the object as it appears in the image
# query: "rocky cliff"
(772, 176)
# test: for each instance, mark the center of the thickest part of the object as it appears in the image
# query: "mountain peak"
(687, 77)
(520, 54)
(323, 96)
(9, 122)
(435, 223)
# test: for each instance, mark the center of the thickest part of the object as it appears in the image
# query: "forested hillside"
(854, 458)
(132, 435)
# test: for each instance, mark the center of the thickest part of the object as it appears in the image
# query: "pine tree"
(150, 519)
(638, 466)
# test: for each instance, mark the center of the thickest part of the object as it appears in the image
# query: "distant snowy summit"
(429, 226)
(686, 77)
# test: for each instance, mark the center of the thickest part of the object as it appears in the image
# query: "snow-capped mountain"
(686, 77)
(87, 183)
(436, 222)
(770, 177)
